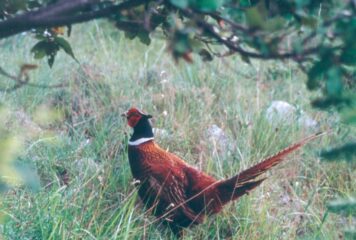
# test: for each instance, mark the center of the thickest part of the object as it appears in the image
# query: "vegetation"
(316, 34)
(62, 123)
(81, 159)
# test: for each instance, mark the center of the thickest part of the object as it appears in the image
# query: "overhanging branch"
(59, 15)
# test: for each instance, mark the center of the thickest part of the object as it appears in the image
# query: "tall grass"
(86, 185)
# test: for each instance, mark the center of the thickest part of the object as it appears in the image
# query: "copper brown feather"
(178, 193)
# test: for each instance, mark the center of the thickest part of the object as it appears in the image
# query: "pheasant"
(176, 192)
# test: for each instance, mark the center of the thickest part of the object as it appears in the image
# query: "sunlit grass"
(86, 190)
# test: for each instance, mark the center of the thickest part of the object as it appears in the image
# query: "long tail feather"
(244, 182)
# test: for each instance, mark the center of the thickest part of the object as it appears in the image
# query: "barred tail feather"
(244, 182)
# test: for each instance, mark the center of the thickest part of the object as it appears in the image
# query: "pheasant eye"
(133, 119)
(132, 114)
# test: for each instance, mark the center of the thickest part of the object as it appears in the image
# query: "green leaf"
(343, 206)
(181, 43)
(348, 55)
(69, 30)
(315, 72)
(246, 59)
(205, 55)
(319, 68)
(205, 5)
(33, 4)
(274, 24)
(254, 18)
(50, 48)
(39, 50)
(144, 37)
(327, 102)
(51, 59)
(348, 115)
(179, 3)
(247, 3)
(39, 54)
(130, 35)
(64, 44)
(346, 152)
(16, 5)
(333, 82)
(257, 16)
(307, 20)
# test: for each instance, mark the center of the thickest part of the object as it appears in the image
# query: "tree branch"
(210, 29)
(21, 79)
(64, 7)
(38, 18)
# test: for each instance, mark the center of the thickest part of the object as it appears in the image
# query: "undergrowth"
(86, 186)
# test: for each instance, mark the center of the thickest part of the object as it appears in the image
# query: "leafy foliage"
(49, 44)
(346, 152)
(320, 33)
(344, 206)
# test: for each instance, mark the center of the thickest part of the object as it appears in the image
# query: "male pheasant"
(177, 193)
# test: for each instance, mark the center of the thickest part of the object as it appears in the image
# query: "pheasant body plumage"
(163, 181)
(178, 193)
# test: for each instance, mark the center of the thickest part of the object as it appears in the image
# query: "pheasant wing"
(171, 198)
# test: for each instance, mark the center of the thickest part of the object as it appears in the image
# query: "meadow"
(75, 141)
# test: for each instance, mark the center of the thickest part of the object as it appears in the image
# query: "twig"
(210, 29)
(23, 79)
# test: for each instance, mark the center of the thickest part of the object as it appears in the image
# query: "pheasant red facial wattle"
(134, 115)
(177, 193)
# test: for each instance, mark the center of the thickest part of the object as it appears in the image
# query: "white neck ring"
(140, 141)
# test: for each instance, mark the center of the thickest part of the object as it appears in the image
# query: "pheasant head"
(141, 125)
